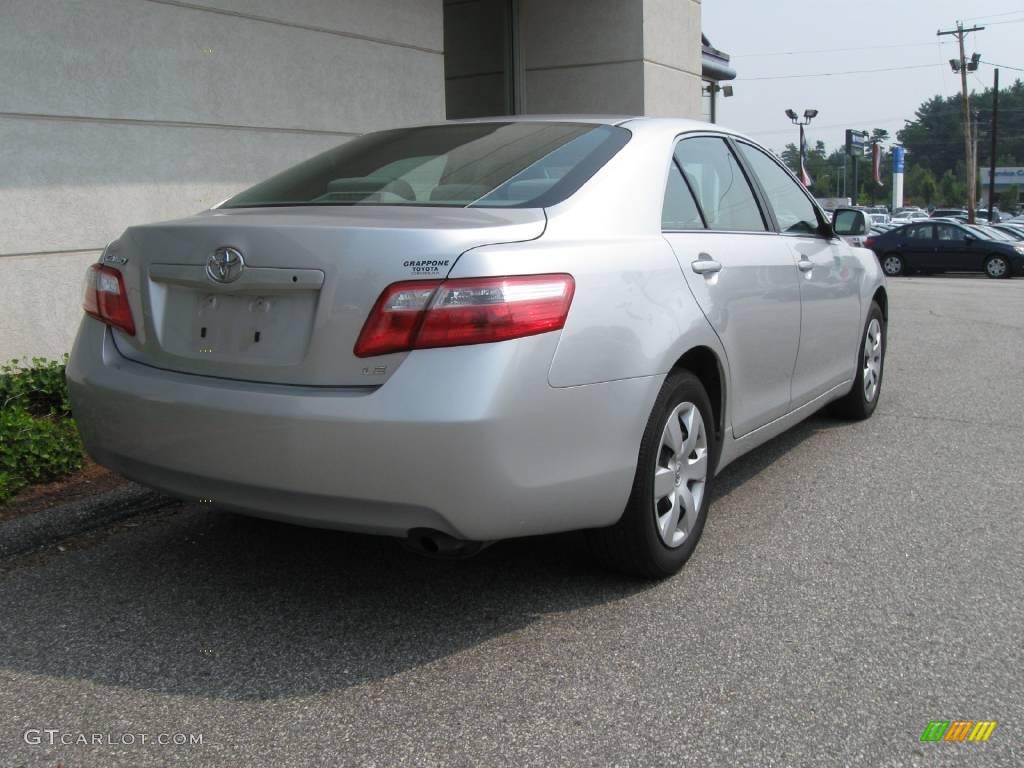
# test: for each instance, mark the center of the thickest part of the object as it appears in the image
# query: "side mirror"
(969, 239)
(848, 221)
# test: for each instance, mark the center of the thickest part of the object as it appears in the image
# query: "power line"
(992, 15)
(834, 74)
(872, 121)
(1010, 21)
(1002, 66)
(829, 50)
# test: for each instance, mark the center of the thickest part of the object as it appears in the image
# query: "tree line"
(934, 153)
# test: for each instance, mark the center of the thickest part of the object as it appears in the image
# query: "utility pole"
(992, 158)
(961, 66)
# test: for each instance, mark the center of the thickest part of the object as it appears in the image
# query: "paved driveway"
(854, 582)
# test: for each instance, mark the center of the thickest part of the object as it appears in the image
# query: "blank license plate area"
(267, 328)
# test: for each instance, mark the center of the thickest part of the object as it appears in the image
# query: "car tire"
(997, 266)
(893, 265)
(667, 507)
(860, 402)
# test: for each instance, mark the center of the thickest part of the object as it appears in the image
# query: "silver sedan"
(470, 331)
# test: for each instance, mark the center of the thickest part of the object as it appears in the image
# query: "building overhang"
(715, 63)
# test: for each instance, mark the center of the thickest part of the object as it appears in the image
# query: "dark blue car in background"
(942, 246)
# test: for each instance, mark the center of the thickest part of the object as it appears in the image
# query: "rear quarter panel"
(632, 314)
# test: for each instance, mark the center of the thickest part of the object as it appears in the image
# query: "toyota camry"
(471, 331)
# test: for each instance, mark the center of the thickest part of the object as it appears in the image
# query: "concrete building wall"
(672, 58)
(476, 57)
(116, 112)
(612, 57)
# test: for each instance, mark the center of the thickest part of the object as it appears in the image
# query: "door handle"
(705, 265)
(805, 265)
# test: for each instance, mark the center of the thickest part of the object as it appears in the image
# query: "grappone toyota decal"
(427, 267)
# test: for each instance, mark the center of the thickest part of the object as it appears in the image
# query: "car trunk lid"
(286, 304)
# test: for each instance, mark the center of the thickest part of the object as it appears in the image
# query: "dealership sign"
(1006, 176)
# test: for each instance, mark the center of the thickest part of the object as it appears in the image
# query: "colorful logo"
(958, 730)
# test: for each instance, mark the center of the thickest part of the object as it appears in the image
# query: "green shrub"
(38, 439)
(39, 388)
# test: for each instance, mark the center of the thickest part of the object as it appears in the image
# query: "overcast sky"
(772, 40)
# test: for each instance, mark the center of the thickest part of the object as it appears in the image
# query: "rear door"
(917, 247)
(829, 277)
(740, 273)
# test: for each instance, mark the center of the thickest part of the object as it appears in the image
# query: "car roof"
(678, 124)
(597, 119)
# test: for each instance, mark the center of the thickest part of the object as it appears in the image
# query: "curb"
(52, 525)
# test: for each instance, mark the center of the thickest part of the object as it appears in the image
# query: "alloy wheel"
(872, 359)
(996, 266)
(892, 265)
(680, 474)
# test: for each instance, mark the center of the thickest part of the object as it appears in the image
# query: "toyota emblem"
(225, 265)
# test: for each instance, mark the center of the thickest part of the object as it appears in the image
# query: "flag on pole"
(805, 177)
(876, 163)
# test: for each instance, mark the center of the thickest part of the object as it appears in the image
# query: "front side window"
(484, 165)
(948, 232)
(920, 232)
(722, 190)
(794, 212)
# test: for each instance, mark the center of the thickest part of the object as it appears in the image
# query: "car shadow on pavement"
(753, 463)
(204, 603)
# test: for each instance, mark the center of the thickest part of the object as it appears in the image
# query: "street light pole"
(992, 157)
(809, 114)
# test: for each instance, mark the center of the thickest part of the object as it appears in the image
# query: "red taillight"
(106, 298)
(868, 242)
(420, 314)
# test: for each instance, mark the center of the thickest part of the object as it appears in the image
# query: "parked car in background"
(981, 215)
(465, 332)
(993, 231)
(907, 215)
(910, 212)
(946, 246)
(1014, 230)
(941, 212)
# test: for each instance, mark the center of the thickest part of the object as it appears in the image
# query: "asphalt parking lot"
(854, 582)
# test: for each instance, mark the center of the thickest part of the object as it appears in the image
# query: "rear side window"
(485, 165)
(680, 209)
(794, 212)
(721, 188)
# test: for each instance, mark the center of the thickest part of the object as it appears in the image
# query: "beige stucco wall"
(116, 112)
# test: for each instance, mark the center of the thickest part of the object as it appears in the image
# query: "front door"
(953, 249)
(740, 273)
(829, 278)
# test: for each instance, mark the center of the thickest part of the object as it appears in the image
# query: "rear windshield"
(492, 165)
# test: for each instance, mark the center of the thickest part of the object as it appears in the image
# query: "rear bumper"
(470, 441)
